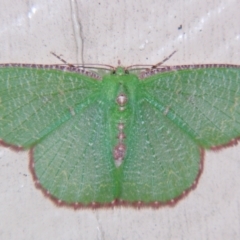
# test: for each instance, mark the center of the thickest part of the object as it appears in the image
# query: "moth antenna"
(90, 65)
(62, 60)
(164, 60)
(150, 67)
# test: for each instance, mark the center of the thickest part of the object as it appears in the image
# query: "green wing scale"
(121, 139)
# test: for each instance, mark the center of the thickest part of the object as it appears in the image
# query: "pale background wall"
(134, 32)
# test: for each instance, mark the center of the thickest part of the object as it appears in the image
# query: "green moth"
(121, 139)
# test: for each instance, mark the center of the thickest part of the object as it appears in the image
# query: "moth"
(122, 138)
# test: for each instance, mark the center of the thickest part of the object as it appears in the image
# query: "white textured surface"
(134, 32)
